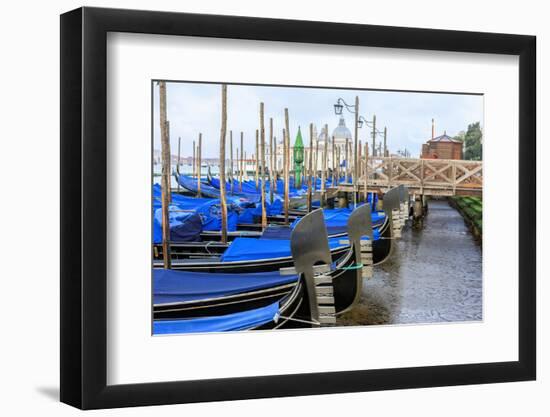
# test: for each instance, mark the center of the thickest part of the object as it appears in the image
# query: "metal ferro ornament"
(298, 158)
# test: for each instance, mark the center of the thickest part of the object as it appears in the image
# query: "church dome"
(341, 132)
(322, 136)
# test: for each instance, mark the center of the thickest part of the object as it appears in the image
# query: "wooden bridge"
(437, 177)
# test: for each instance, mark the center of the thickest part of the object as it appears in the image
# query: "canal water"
(434, 275)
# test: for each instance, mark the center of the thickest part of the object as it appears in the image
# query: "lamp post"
(375, 131)
(353, 109)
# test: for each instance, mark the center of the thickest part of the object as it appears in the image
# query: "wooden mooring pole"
(242, 165)
(324, 169)
(245, 168)
(359, 171)
(222, 164)
(257, 160)
(165, 180)
(338, 165)
(178, 163)
(231, 161)
(199, 166)
(355, 179)
(366, 171)
(272, 172)
(262, 166)
(310, 170)
(334, 182)
(194, 161)
(374, 135)
(385, 142)
(315, 163)
(286, 163)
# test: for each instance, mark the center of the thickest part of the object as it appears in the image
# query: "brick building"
(442, 147)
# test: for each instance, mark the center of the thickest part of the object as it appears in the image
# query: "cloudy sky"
(196, 107)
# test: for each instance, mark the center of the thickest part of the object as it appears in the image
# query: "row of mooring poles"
(356, 164)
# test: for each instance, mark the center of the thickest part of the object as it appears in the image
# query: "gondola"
(303, 293)
(249, 255)
(260, 255)
(297, 202)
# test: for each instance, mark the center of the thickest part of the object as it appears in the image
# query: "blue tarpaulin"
(208, 210)
(249, 215)
(247, 249)
(242, 320)
(249, 187)
(184, 226)
(236, 197)
(337, 218)
(171, 286)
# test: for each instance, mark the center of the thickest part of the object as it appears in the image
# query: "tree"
(473, 149)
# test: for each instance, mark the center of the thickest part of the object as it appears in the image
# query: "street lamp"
(339, 106)
(372, 124)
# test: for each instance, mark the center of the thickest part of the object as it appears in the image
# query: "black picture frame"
(84, 207)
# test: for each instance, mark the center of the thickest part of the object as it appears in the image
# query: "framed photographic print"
(257, 208)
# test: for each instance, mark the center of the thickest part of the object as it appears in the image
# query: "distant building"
(441, 147)
(340, 134)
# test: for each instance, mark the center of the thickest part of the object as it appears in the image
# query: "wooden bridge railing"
(425, 176)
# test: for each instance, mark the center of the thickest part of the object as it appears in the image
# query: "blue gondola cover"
(171, 286)
(248, 249)
(242, 320)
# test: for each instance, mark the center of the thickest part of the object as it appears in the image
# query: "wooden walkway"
(443, 177)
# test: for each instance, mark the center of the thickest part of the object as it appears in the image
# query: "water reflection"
(434, 275)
